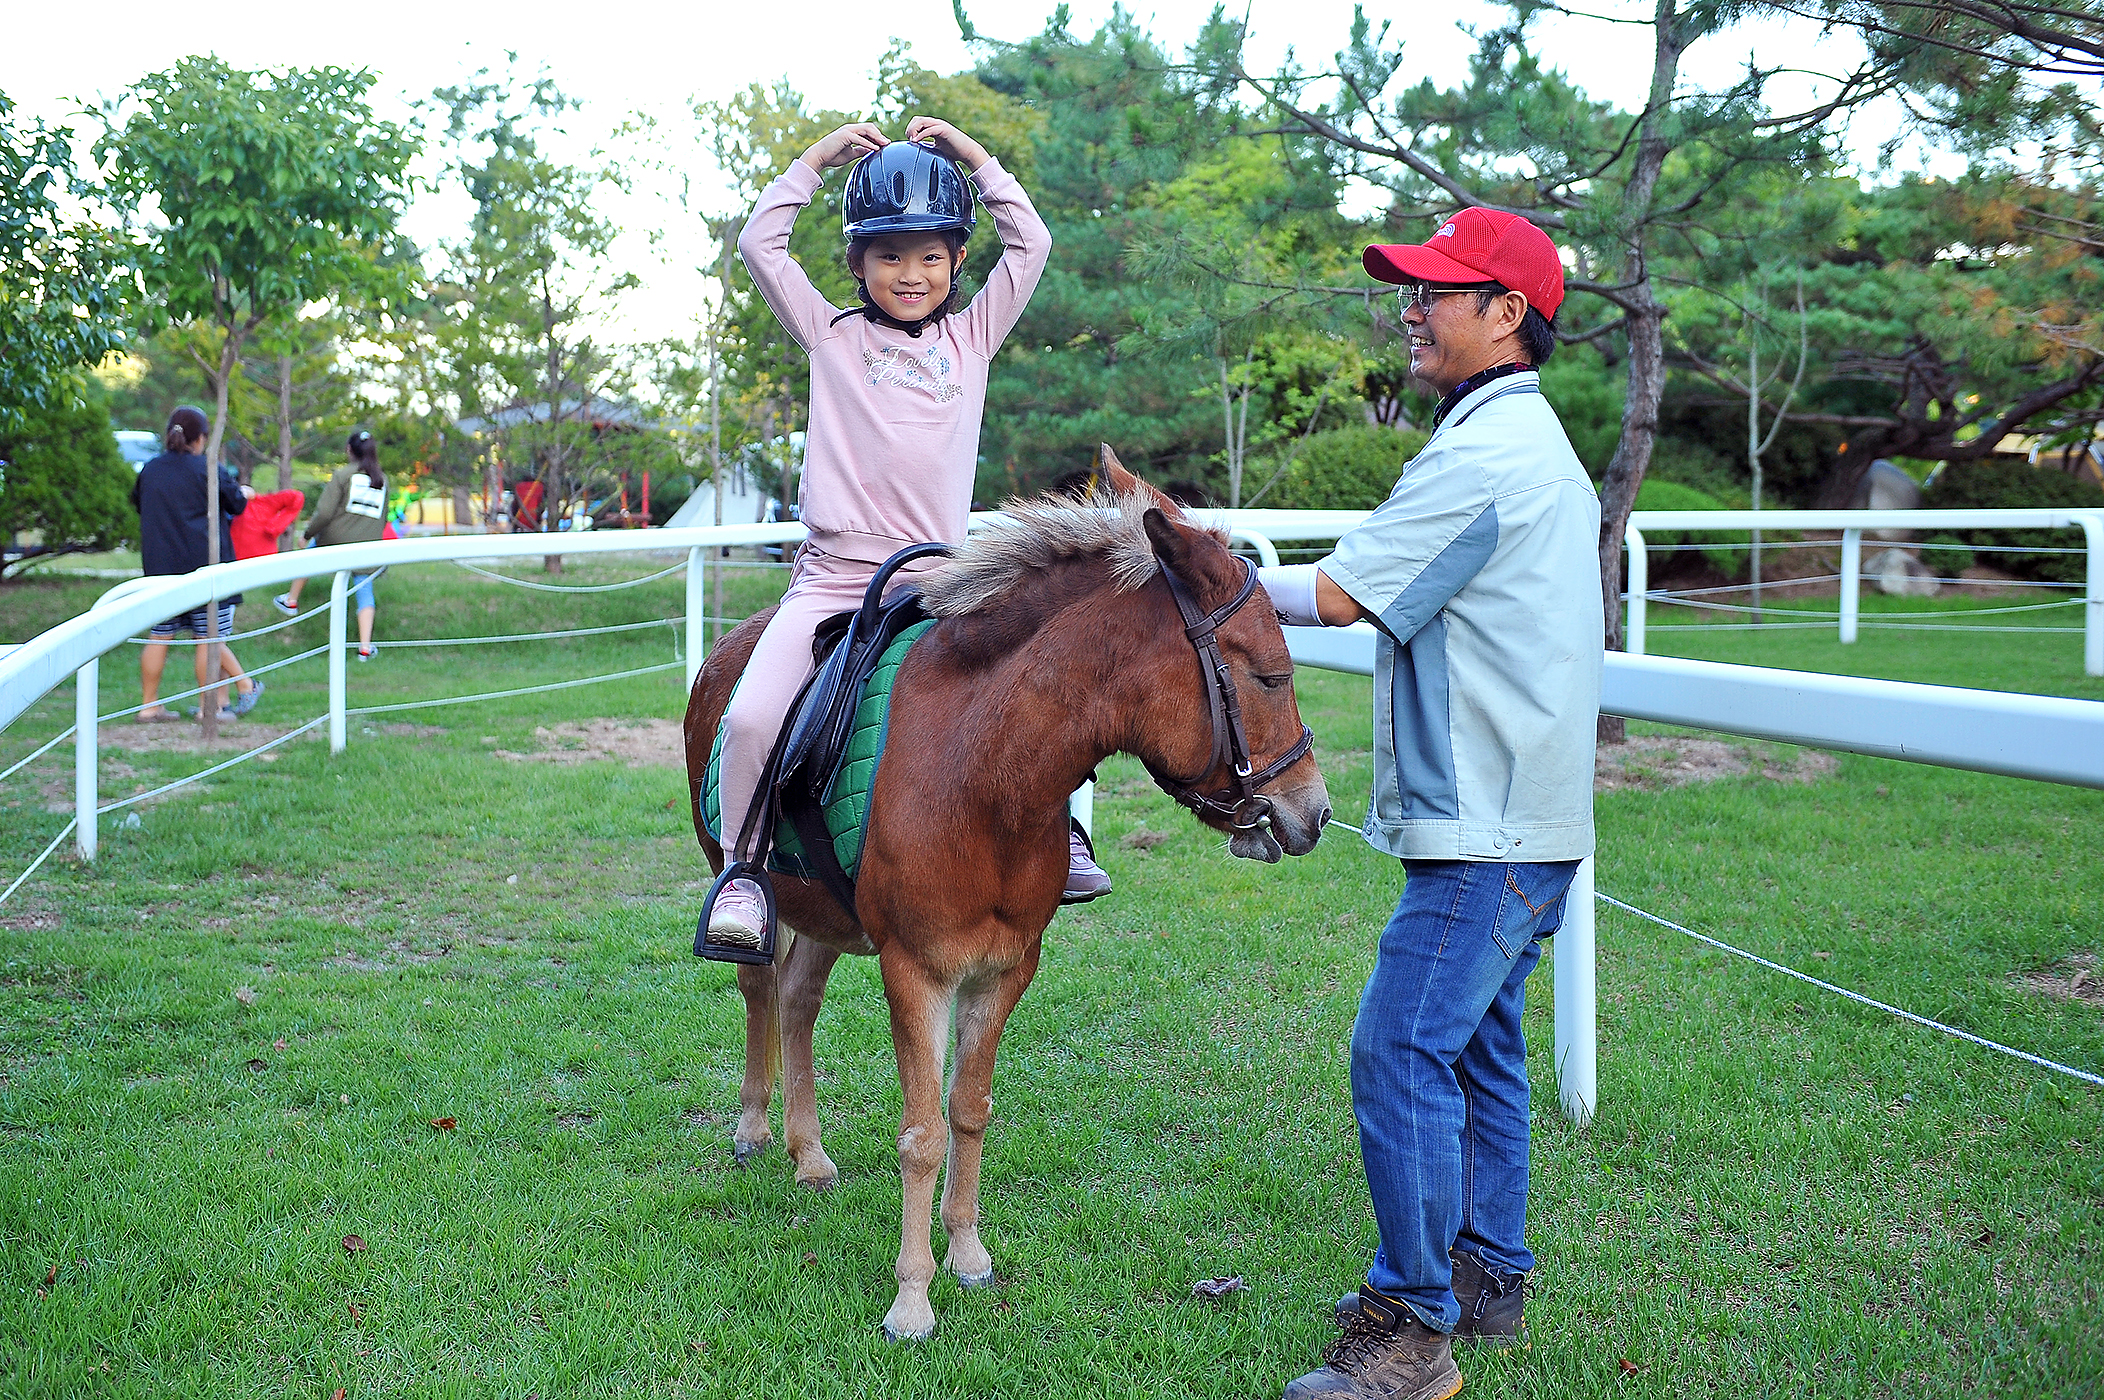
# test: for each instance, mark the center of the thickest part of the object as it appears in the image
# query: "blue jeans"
(1439, 1074)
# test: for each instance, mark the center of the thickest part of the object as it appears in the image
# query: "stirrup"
(705, 947)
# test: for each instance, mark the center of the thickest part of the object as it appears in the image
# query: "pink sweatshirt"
(893, 444)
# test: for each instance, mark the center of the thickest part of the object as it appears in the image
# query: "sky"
(622, 58)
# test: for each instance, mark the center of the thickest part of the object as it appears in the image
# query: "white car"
(137, 447)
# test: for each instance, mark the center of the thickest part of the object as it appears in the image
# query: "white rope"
(47, 748)
(1866, 626)
(224, 682)
(506, 694)
(569, 587)
(534, 636)
(195, 641)
(1982, 1041)
(1669, 599)
(287, 737)
(64, 832)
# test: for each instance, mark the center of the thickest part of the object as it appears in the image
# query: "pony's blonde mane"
(996, 563)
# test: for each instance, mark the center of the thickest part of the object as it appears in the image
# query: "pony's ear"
(1172, 542)
(1124, 483)
(1193, 554)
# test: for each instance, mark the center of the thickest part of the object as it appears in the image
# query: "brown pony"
(1059, 643)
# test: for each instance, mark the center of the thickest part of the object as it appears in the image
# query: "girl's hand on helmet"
(845, 146)
(947, 140)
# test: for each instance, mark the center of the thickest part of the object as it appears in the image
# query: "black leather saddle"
(804, 766)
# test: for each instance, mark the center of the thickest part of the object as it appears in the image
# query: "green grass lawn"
(225, 1044)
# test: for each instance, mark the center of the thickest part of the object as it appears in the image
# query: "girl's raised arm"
(764, 241)
(1026, 244)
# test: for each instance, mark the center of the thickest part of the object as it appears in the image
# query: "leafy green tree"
(66, 282)
(1626, 194)
(270, 191)
(62, 476)
(302, 394)
(1941, 316)
(519, 294)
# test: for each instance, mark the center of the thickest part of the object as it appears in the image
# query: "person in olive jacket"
(170, 498)
(352, 510)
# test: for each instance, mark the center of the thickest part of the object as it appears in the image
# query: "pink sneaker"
(740, 916)
(1085, 878)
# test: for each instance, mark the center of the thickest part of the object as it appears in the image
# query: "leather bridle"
(1239, 803)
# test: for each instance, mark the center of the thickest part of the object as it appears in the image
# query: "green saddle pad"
(852, 782)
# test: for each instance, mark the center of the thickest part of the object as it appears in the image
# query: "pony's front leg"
(982, 1012)
(763, 1043)
(803, 982)
(920, 1013)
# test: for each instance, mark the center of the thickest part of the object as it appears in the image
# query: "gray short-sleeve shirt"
(1481, 572)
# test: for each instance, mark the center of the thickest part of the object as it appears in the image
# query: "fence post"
(1577, 1018)
(697, 614)
(85, 799)
(1639, 591)
(1082, 807)
(1851, 582)
(2093, 598)
(338, 616)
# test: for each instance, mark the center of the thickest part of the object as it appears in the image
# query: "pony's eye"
(1275, 682)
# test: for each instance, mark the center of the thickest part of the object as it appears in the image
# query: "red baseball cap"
(1478, 245)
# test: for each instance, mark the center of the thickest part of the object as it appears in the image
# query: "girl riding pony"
(898, 387)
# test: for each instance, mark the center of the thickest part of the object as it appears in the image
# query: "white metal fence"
(2045, 738)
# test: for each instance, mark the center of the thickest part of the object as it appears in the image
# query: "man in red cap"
(1479, 573)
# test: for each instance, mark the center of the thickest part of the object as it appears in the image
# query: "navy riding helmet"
(905, 187)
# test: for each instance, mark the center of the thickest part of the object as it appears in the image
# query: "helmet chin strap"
(876, 313)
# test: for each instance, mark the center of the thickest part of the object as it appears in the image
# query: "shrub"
(1946, 556)
(2003, 484)
(64, 477)
(1716, 546)
(1341, 469)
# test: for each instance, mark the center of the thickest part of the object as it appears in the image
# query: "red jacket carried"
(256, 530)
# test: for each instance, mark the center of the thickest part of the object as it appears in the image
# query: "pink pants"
(821, 585)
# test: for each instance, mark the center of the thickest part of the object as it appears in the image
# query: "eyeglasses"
(1420, 294)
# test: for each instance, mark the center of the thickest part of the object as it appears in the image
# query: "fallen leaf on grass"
(352, 1244)
(245, 995)
(258, 1066)
(1214, 1289)
(1628, 1366)
(809, 1260)
(700, 1347)
(357, 1313)
(337, 1394)
(1822, 956)
(444, 1125)
(278, 1044)
(51, 1279)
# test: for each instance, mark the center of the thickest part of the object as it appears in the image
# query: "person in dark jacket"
(170, 498)
(352, 510)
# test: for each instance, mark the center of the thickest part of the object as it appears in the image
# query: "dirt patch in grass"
(1654, 762)
(640, 743)
(37, 919)
(235, 736)
(2075, 977)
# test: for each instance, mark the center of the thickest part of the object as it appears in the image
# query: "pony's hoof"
(819, 1181)
(893, 1333)
(744, 1152)
(980, 1280)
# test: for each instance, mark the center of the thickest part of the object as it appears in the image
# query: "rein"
(1239, 803)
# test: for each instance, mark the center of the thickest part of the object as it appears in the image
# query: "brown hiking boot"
(1491, 1307)
(1384, 1354)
